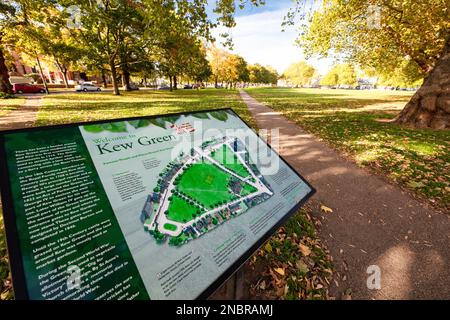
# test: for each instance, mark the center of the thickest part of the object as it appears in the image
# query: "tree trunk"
(114, 78)
(5, 85)
(126, 81)
(66, 81)
(42, 74)
(63, 70)
(175, 83)
(429, 107)
(105, 84)
(171, 83)
(125, 75)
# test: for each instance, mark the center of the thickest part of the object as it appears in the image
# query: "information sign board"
(162, 207)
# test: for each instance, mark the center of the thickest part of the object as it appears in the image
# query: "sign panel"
(164, 207)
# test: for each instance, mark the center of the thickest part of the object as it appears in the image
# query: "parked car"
(27, 88)
(87, 86)
(164, 87)
(187, 86)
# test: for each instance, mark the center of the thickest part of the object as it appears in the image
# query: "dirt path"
(24, 116)
(372, 223)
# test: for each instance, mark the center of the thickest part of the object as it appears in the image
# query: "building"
(21, 72)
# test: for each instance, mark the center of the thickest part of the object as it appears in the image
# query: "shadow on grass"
(70, 108)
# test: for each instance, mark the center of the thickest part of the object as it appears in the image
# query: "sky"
(258, 37)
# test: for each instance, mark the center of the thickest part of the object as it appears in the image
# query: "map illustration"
(199, 191)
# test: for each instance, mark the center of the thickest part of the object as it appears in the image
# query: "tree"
(57, 43)
(198, 69)
(330, 79)
(25, 31)
(299, 73)
(103, 28)
(259, 74)
(7, 18)
(181, 54)
(20, 28)
(404, 76)
(346, 74)
(342, 74)
(235, 70)
(383, 36)
(217, 58)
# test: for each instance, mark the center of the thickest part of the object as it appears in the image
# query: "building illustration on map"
(200, 191)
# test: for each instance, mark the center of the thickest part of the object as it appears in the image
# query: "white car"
(85, 87)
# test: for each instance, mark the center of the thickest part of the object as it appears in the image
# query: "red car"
(27, 88)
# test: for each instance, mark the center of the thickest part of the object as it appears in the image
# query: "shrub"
(4, 95)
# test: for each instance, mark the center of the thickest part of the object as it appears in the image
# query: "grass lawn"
(205, 183)
(8, 105)
(77, 107)
(228, 159)
(348, 121)
(247, 189)
(180, 210)
(170, 227)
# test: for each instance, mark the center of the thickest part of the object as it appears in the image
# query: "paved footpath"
(24, 116)
(372, 223)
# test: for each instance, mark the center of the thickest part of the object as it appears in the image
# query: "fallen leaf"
(347, 295)
(415, 185)
(306, 251)
(302, 267)
(268, 248)
(326, 209)
(280, 271)
(262, 285)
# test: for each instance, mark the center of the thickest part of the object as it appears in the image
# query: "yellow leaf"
(280, 271)
(268, 248)
(326, 209)
(306, 251)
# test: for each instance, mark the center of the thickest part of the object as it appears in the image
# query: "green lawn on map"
(170, 227)
(229, 160)
(247, 189)
(180, 210)
(206, 183)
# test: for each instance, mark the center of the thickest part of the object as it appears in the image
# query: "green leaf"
(139, 123)
(94, 128)
(220, 115)
(171, 119)
(112, 127)
(158, 122)
(118, 127)
(201, 115)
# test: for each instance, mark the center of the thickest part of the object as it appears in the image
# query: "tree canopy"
(300, 73)
(389, 36)
(115, 36)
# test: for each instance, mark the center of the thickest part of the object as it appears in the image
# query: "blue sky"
(258, 37)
